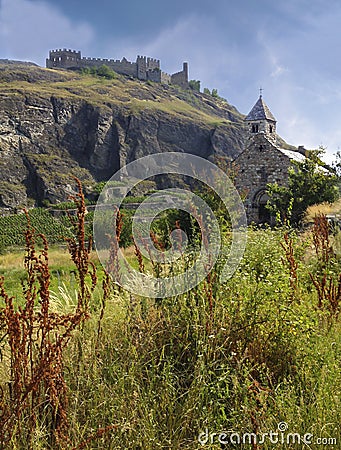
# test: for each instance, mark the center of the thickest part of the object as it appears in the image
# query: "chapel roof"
(260, 111)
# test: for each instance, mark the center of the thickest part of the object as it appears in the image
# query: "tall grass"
(118, 371)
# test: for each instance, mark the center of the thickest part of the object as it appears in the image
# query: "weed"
(145, 373)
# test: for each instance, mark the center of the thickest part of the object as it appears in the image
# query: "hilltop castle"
(144, 68)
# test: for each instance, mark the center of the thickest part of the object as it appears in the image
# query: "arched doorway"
(259, 205)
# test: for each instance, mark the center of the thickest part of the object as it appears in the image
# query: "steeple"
(261, 120)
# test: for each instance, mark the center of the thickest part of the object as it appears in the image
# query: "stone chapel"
(263, 161)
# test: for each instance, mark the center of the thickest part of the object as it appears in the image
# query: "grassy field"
(258, 354)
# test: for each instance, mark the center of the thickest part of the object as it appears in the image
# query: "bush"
(194, 85)
(243, 356)
(101, 71)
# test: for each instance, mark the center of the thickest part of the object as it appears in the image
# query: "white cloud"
(192, 37)
(305, 96)
(238, 69)
(30, 29)
(213, 54)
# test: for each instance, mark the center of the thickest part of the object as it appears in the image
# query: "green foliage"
(132, 199)
(194, 85)
(104, 226)
(213, 94)
(101, 71)
(98, 188)
(171, 219)
(13, 226)
(309, 183)
(239, 356)
(126, 234)
(63, 206)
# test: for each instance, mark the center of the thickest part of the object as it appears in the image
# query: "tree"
(105, 72)
(194, 85)
(310, 182)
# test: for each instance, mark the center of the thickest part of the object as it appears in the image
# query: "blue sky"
(289, 47)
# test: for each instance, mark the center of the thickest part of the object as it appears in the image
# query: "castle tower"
(63, 58)
(260, 120)
(141, 63)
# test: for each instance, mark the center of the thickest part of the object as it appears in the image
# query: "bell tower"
(261, 121)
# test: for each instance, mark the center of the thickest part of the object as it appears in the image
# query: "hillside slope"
(54, 124)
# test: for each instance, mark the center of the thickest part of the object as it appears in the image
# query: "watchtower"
(63, 58)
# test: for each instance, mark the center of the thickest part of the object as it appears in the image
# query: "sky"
(290, 48)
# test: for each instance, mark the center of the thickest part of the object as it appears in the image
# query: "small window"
(263, 175)
(261, 148)
(255, 128)
(271, 129)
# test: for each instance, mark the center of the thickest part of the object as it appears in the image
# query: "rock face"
(55, 125)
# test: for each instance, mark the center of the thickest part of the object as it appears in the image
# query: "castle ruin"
(144, 68)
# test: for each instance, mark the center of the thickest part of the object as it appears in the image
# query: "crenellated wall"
(63, 58)
(165, 78)
(144, 68)
(181, 78)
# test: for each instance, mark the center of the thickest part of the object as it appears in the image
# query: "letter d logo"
(203, 437)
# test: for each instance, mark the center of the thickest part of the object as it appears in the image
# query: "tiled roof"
(260, 112)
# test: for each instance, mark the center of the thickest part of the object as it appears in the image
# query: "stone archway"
(259, 206)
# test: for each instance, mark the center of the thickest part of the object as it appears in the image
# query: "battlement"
(64, 50)
(144, 68)
(65, 58)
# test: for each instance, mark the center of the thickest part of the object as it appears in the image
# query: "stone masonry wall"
(63, 58)
(181, 78)
(259, 164)
(144, 68)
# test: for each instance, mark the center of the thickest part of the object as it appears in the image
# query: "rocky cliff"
(54, 124)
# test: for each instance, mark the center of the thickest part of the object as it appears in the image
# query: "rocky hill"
(54, 124)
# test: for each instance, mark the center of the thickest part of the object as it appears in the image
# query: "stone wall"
(181, 78)
(144, 68)
(259, 164)
(154, 75)
(165, 78)
(262, 126)
(63, 58)
(123, 67)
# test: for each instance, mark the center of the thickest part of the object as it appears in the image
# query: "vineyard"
(13, 227)
(85, 364)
